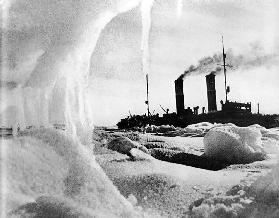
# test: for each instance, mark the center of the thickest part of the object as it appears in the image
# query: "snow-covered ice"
(234, 144)
(45, 173)
(259, 199)
(124, 145)
(48, 172)
(159, 129)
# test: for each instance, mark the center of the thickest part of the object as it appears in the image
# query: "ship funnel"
(179, 95)
(211, 92)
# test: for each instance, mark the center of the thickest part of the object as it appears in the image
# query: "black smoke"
(252, 58)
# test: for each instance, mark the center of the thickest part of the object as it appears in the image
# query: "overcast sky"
(49, 44)
(176, 42)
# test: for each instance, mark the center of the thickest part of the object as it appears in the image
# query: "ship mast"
(147, 96)
(225, 70)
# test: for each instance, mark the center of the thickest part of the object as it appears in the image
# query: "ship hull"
(239, 119)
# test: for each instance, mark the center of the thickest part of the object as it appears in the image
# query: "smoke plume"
(253, 58)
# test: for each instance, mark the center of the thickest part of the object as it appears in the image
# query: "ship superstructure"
(235, 112)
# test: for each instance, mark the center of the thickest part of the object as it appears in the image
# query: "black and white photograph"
(139, 109)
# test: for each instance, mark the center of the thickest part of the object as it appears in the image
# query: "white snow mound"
(234, 144)
(124, 145)
(160, 129)
(200, 126)
(267, 133)
(48, 174)
(139, 155)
